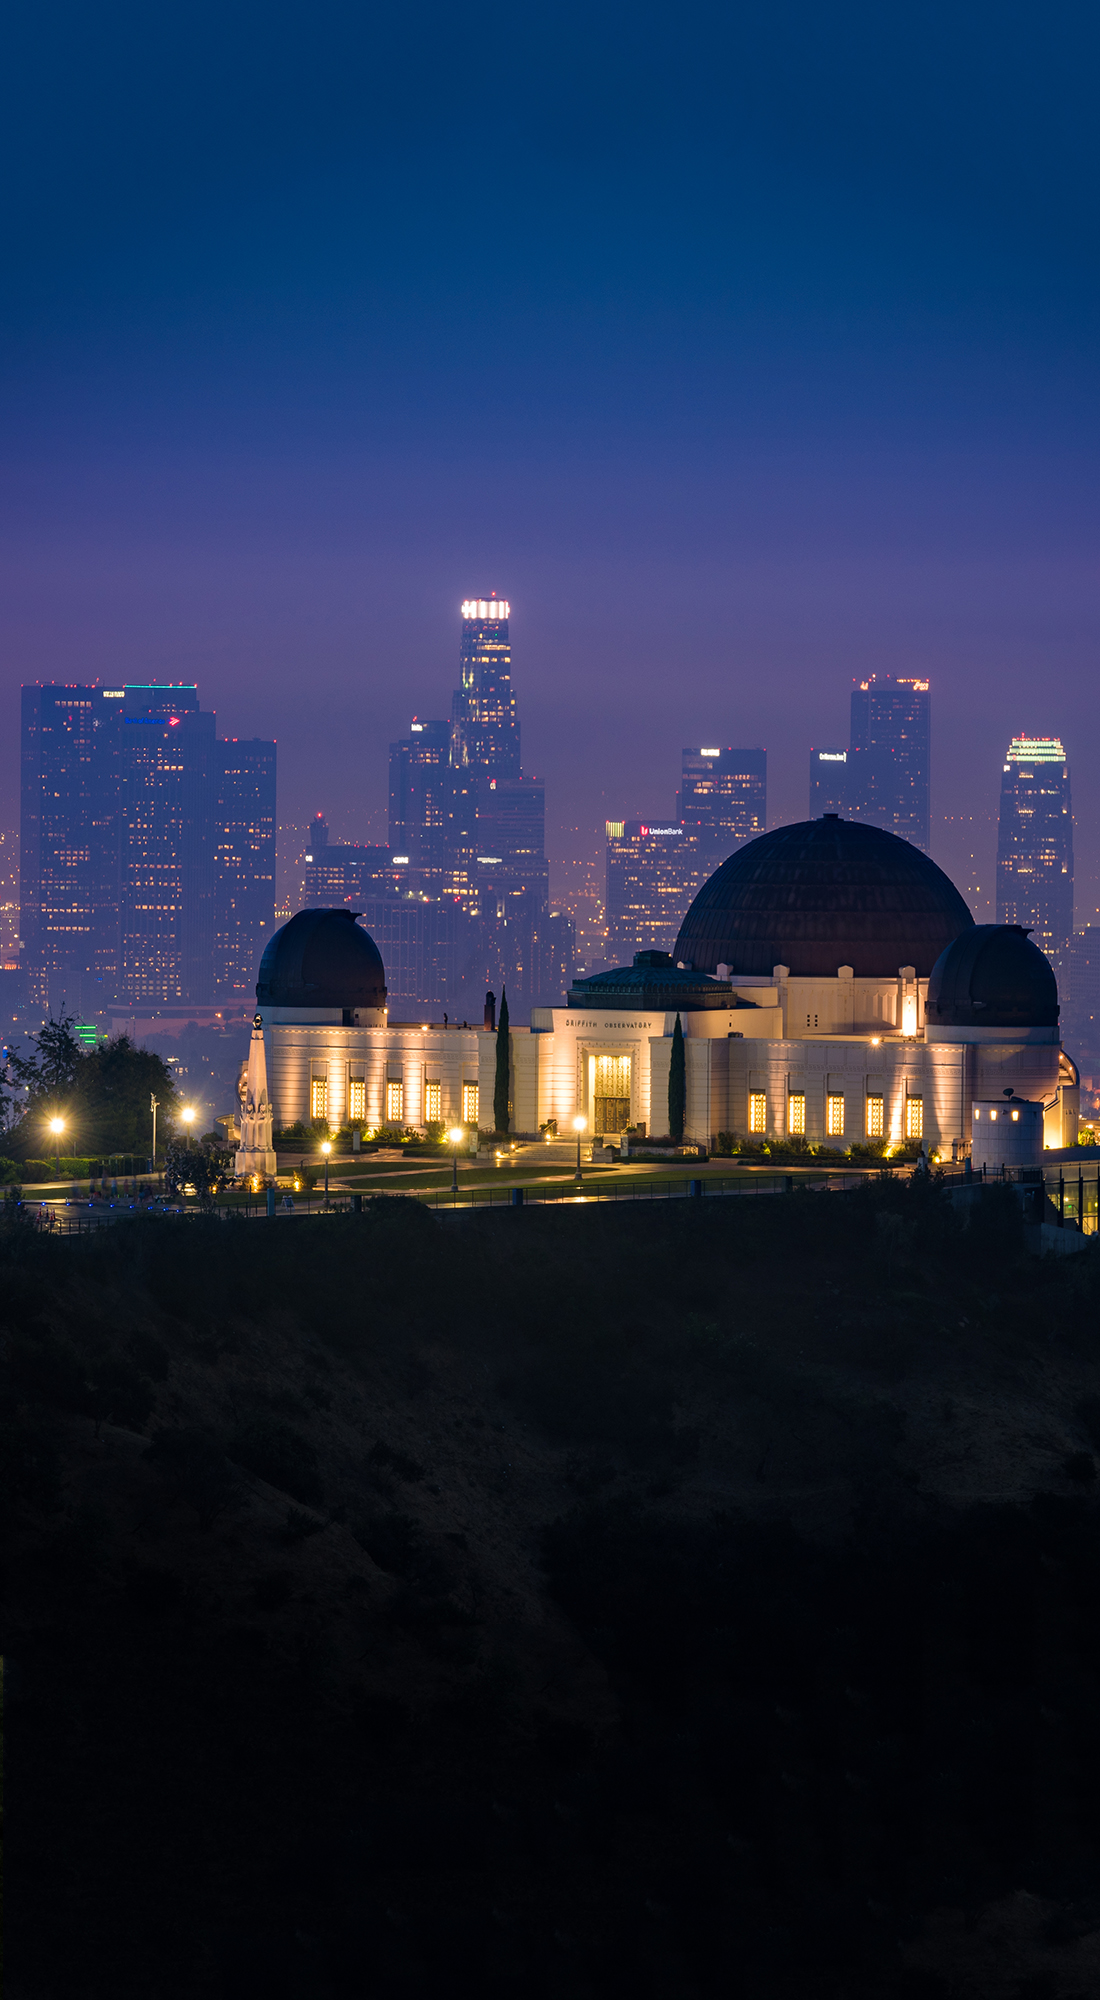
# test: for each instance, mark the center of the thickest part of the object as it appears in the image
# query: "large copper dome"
(321, 958)
(820, 894)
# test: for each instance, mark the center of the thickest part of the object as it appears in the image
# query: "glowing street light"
(578, 1127)
(188, 1117)
(326, 1148)
(456, 1136)
(57, 1126)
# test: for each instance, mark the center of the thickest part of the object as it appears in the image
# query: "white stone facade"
(837, 1061)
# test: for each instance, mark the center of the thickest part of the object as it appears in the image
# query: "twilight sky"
(743, 348)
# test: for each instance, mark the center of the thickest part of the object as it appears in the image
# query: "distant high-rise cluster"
(460, 899)
(883, 774)
(147, 848)
(655, 867)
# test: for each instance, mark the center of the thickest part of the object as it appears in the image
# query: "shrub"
(195, 1471)
(275, 1451)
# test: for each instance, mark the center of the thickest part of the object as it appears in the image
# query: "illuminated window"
(875, 1122)
(1015, 1118)
(796, 1112)
(318, 1097)
(469, 1104)
(433, 1101)
(395, 1103)
(758, 1111)
(357, 1099)
(834, 1115)
(914, 1117)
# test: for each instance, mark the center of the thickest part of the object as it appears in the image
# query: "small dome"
(992, 977)
(321, 958)
(820, 894)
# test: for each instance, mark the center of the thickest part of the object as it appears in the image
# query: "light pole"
(57, 1126)
(578, 1127)
(153, 1102)
(326, 1148)
(188, 1117)
(456, 1136)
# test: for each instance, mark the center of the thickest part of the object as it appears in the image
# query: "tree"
(501, 1105)
(111, 1095)
(677, 1084)
(52, 1069)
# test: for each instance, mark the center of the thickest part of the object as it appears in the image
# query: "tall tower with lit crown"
(485, 731)
(1035, 841)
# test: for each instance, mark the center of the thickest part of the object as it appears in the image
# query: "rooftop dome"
(321, 958)
(820, 894)
(992, 977)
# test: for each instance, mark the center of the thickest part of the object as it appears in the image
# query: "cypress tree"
(500, 1086)
(677, 1085)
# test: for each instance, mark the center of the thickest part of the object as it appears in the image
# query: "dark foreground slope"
(697, 1601)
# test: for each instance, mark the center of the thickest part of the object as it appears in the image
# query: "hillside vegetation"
(702, 1601)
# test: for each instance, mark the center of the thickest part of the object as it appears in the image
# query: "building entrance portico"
(610, 1093)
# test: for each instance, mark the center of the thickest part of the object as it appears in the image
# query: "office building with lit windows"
(149, 848)
(889, 761)
(723, 799)
(420, 802)
(653, 871)
(828, 782)
(244, 858)
(1035, 841)
(829, 979)
(69, 886)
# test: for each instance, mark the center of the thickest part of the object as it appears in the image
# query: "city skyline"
(572, 857)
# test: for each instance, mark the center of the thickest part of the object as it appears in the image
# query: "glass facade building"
(244, 860)
(828, 782)
(149, 847)
(723, 798)
(889, 759)
(653, 873)
(1035, 841)
(69, 886)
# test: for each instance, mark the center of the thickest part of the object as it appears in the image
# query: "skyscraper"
(420, 766)
(244, 859)
(1035, 841)
(69, 890)
(889, 760)
(828, 782)
(167, 796)
(723, 798)
(483, 712)
(653, 872)
(149, 847)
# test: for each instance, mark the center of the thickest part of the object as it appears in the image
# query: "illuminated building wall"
(244, 859)
(653, 872)
(723, 798)
(889, 761)
(1035, 841)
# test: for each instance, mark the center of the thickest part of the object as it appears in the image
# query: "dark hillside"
(688, 1602)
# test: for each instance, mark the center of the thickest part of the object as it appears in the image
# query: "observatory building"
(829, 979)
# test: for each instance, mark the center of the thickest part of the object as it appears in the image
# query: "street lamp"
(578, 1127)
(154, 1100)
(188, 1117)
(57, 1126)
(326, 1148)
(456, 1136)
